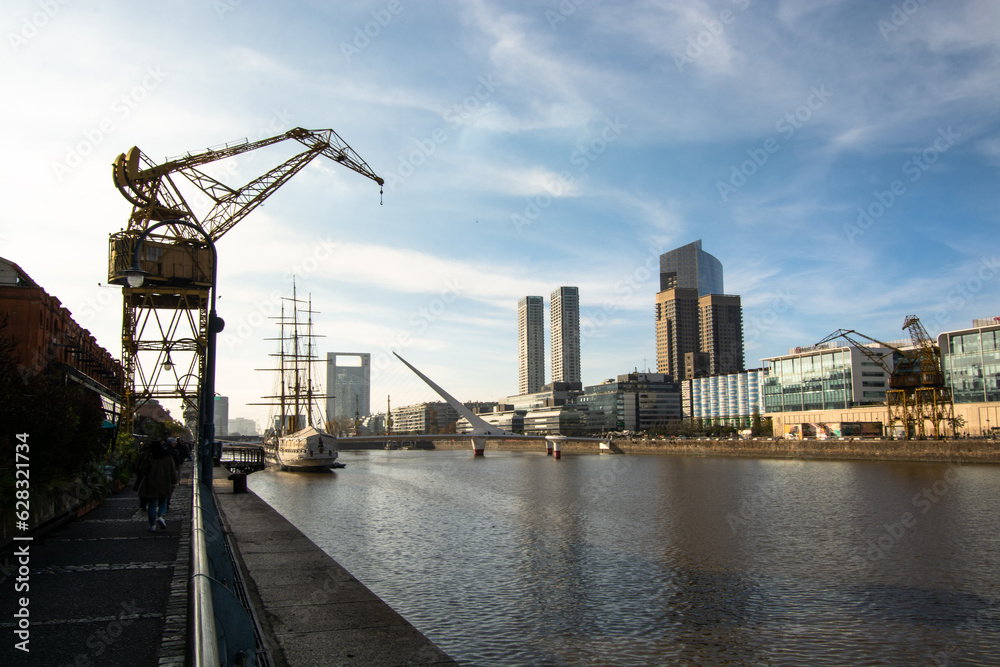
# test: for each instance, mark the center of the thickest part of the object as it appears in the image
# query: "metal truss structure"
(165, 321)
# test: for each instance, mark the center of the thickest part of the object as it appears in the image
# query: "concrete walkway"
(103, 589)
(312, 611)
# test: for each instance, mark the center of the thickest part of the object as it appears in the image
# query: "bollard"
(239, 482)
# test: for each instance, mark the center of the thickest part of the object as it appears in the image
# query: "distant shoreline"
(935, 451)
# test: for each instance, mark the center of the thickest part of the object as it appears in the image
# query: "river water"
(520, 559)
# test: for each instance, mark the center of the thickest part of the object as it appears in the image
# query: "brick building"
(44, 334)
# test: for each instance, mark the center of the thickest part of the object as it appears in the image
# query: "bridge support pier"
(552, 445)
(478, 446)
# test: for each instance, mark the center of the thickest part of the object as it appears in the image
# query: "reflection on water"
(518, 559)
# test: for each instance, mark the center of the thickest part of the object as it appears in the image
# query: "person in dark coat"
(159, 475)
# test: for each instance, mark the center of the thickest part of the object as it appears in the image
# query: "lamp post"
(207, 454)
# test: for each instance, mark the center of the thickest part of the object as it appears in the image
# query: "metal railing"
(223, 628)
(205, 646)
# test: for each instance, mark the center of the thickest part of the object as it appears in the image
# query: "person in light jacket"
(159, 475)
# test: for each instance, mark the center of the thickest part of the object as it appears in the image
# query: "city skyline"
(840, 159)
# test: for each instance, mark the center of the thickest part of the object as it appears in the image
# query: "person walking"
(159, 475)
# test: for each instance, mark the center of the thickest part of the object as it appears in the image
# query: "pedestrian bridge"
(243, 458)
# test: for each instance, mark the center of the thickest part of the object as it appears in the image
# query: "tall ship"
(296, 438)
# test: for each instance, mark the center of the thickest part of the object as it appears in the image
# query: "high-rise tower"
(565, 306)
(348, 384)
(720, 318)
(530, 345)
(699, 329)
(676, 329)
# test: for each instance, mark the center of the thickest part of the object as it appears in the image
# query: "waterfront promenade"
(104, 590)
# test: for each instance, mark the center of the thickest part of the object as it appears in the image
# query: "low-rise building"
(424, 418)
(632, 402)
(730, 399)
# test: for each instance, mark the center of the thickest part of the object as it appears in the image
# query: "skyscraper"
(564, 303)
(677, 332)
(530, 345)
(690, 267)
(348, 384)
(720, 318)
(699, 329)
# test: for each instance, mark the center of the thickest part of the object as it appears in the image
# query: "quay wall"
(955, 451)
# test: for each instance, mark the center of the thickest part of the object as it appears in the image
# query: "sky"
(840, 158)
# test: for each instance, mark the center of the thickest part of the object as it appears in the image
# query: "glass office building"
(830, 378)
(635, 402)
(971, 362)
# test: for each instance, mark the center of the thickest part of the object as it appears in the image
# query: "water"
(519, 559)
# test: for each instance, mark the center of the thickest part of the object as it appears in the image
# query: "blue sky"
(839, 158)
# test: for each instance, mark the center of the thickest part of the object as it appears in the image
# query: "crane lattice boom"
(168, 315)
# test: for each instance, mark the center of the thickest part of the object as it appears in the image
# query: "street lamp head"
(135, 276)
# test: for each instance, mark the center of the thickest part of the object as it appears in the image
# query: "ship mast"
(297, 396)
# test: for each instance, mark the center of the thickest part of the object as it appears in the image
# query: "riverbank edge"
(920, 451)
(311, 610)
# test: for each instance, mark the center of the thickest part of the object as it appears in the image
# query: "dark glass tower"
(690, 267)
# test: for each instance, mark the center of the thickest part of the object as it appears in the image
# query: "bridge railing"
(243, 458)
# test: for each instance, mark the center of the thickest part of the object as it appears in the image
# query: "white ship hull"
(308, 450)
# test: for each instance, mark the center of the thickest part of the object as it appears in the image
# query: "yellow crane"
(917, 394)
(167, 318)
